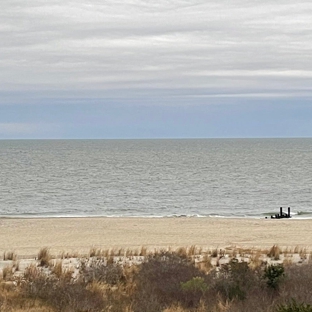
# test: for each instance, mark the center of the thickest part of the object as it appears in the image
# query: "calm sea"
(155, 178)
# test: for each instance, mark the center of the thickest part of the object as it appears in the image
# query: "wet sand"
(26, 236)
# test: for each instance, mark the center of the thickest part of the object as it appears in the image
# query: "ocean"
(245, 178)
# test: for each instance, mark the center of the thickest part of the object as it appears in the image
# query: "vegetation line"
(179, 280)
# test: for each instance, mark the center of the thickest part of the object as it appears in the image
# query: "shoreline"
(26, 236)
(257, 217)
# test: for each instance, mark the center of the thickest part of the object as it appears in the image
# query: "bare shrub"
(297, 283)
(294, 306)
(100, 271)
(234, 280)
(61, 293)
(159, 282)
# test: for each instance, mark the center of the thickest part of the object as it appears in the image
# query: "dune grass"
(44, 256)
(10, 255)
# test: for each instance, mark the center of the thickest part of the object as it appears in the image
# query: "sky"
(155, 69)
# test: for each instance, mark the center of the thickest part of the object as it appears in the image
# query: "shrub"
(234, 279)
(61, 293)
(194, 285)
(161, 279)
(100, 271)
(293, 306)
(193, 290)
(273, 274)
(297, 283)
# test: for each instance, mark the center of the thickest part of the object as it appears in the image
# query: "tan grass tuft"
(16, 265)
(44, 257)
(274, 252)
(68, 255)
(296, 250)
(143, 251)
(192, 251)
(205, 264)
(303, 253)
(57, 269)
(92, 252)
(222, 306)
(175, 308)
(214, 253)
(255, 259)
(121, 252)
(9, 256)
(182, 252)
(7, 273)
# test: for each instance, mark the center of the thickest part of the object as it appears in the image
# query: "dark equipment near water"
(282, 214)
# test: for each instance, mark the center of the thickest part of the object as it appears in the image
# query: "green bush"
(193, 290)
(196, 284)
(273, 274)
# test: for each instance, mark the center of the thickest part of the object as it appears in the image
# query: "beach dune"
(26, 236)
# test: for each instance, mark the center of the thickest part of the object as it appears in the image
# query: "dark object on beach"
(282, 214)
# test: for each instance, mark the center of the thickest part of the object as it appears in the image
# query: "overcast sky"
(155, 69)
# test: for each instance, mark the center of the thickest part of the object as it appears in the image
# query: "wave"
(32, 215)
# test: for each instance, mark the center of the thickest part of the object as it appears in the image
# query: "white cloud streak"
(210, 47)
(36, 130)
(16, 128)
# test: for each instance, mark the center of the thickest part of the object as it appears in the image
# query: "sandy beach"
(26, 236)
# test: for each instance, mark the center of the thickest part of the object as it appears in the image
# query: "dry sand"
(26, 236)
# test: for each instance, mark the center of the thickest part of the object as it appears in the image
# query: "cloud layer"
(141, 49)
(203, 68)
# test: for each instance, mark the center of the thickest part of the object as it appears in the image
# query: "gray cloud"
(143, 49)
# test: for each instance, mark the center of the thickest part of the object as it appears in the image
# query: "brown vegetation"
(44, 256)
(165, 281)
(274, 252)
(9, 256)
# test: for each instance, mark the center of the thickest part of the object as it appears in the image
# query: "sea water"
(155, 178)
